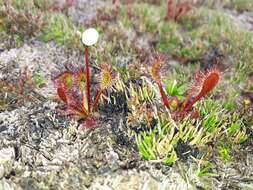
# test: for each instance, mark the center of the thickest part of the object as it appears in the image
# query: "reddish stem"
(99, 93)
(87, 79)
(192, 101)
(163, 95)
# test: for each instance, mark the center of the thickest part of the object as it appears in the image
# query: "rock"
(7, 156)
(7, 185)
(133, 179)
(112, 157)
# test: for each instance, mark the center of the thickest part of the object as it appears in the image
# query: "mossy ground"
(135, 136)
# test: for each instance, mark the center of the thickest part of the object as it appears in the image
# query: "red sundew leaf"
(210, 82)
(70, 87)
(62, 94)
(80, 79)
(64, 79)
(106, 77)
(106, 80)
(63, 83)
(175, 11)
(181, 10)
(155, 72)
(81, 83)
(204, 83)
(75, 97)
(170, 10)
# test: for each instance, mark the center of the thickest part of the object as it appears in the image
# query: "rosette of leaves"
(203, 84)
(72, 87)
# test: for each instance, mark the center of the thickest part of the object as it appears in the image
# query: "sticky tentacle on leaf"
(155, 72)
(204, 83)
(62, 94)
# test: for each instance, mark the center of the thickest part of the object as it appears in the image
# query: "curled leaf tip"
(204, 83)
(155, 70)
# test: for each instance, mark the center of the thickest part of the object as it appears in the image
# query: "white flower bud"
(90, 37)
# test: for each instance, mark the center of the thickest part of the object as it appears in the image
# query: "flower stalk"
(87, 77)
